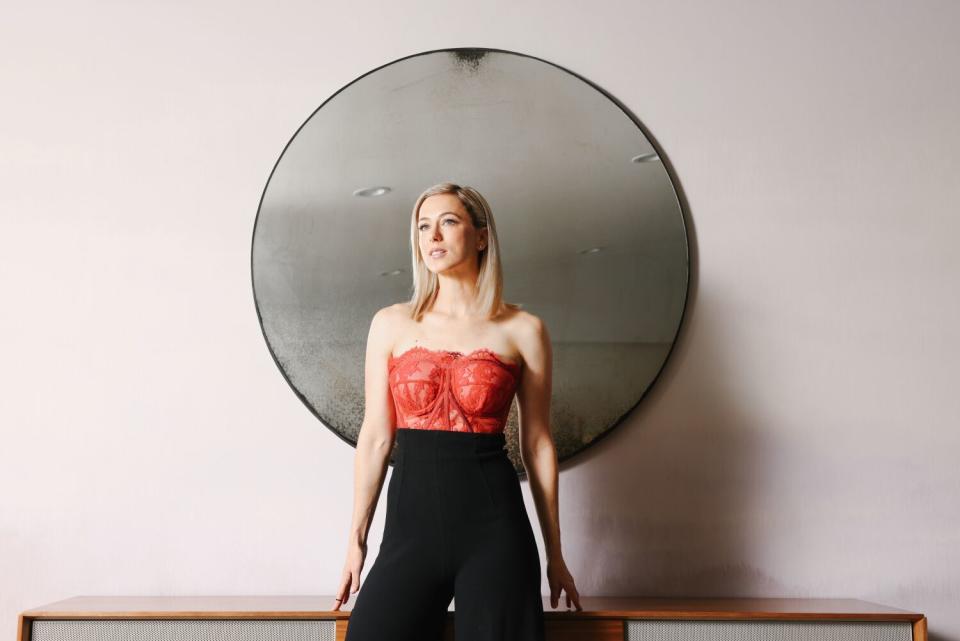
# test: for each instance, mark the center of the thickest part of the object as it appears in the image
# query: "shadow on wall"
(671, 506)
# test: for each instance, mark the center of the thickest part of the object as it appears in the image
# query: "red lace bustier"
(442, 390)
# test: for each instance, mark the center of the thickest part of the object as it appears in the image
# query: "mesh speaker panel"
(671, 630)
(184, 630)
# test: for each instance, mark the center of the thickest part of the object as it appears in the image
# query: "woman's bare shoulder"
(394, 311)
(516, 315)
(529, 332)
(398, 313)
(389, 322)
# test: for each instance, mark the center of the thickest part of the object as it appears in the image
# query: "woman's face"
(444, 224)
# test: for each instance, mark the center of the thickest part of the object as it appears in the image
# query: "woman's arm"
(539, 454)
(374, 444)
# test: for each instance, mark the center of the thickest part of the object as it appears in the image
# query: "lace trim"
(458, 355)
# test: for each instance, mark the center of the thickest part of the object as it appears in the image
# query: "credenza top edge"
(305, 607)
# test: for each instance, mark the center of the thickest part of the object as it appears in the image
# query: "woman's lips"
(438, 253)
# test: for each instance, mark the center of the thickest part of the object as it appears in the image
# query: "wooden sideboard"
(307, 618)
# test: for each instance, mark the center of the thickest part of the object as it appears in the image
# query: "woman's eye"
(448, 220)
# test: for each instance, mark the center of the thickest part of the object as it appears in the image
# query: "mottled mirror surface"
(592, 234)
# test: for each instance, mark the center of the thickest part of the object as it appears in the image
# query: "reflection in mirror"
(592, 234)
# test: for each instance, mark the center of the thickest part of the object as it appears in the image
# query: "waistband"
(414, 444)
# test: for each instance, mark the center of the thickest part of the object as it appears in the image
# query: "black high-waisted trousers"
(456, 528)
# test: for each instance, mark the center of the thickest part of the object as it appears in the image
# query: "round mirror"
(592, 234)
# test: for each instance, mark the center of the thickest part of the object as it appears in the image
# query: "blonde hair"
(489, 286)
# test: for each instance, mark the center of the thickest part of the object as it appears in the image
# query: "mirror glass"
(591, 230)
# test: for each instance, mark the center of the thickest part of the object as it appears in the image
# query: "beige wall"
(802, 441)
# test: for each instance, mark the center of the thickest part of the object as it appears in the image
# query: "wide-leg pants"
(456, 528)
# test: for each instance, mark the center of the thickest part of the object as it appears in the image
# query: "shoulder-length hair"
(489, 286)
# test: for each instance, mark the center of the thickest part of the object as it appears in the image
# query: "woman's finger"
(338, 597)
(344, 594)
(576, 598)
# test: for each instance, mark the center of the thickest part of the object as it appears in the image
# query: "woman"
(456, 525)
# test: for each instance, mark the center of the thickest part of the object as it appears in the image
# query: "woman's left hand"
(559, 578)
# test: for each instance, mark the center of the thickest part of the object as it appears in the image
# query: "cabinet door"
(183, 630)
(673, 630)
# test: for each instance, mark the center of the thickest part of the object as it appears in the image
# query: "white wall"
(802, 441)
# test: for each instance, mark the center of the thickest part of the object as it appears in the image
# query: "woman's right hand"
(350, 580)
